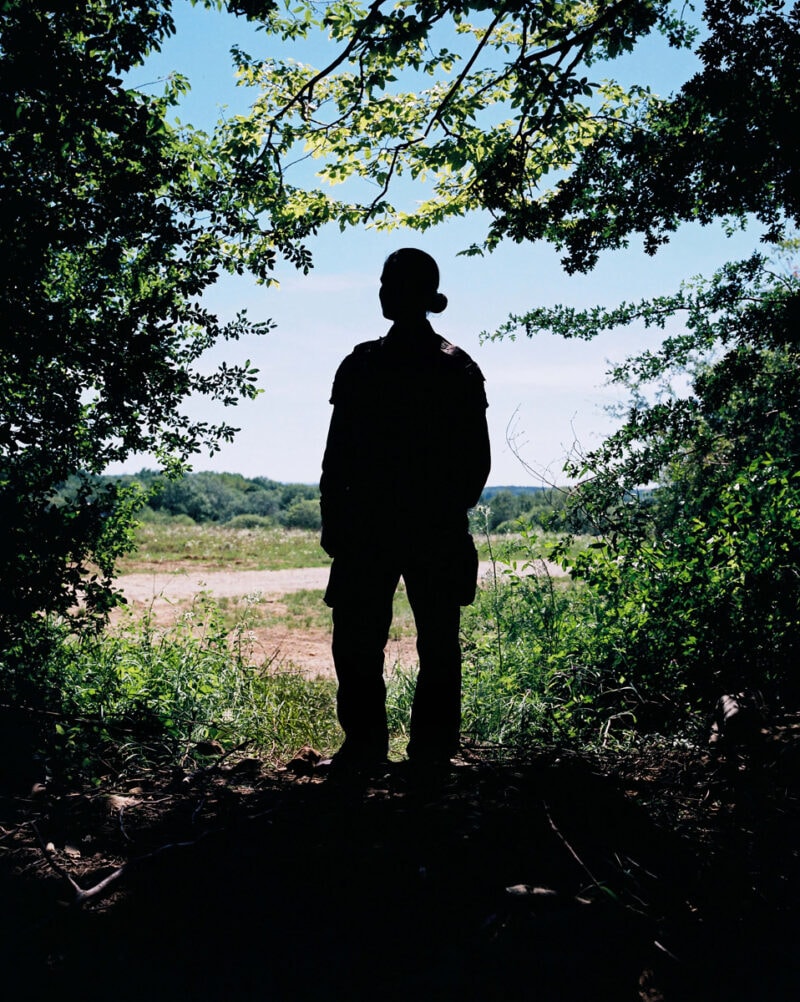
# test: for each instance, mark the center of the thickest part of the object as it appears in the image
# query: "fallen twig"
(596, 883)
(197, 809)
(122, 828)
(82, 895)
(569, 848)
(56, 867)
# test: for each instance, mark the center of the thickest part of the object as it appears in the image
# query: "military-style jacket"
(408, 446)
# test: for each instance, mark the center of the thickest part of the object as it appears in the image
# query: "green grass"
(172, 546)
(300, 610)
(303, 610)
(512, 546)
(141, 696)
(144, 694)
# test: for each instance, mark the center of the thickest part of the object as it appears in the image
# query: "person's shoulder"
(367, 347)
(354, 370)
(360, 356)
(457, 358)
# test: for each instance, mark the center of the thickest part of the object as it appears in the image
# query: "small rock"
(304, 762)
(528, 891)
(246, 768)
(115, 802)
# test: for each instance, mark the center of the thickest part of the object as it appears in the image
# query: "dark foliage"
(114, 224)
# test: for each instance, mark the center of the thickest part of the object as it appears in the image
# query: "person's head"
(410, 285)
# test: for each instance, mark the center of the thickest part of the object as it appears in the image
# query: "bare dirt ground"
(309, 651)
(165, 588)
(663, 876)
(665, 873)
(167, 594)
(172, 587)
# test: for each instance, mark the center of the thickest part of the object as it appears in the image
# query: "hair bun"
(438, 302)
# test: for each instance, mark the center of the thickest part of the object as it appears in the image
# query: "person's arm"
(474, 451)
(333, 482)
(336, 465)
(479, 457)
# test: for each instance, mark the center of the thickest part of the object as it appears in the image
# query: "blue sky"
(547, 393)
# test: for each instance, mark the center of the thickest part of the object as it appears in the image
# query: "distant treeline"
(249, 502)
(229, 498)
(542, 506)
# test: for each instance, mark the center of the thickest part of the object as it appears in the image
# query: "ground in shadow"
(661, 875)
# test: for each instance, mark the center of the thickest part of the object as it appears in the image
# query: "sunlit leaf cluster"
(488, 105)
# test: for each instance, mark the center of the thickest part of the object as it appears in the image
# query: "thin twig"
(308, 87)
(463, 74)
(569, 848)
(201, 804)
(583, 866)
(122, 828)
(83, 895)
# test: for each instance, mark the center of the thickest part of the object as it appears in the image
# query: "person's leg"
(436, 710)
(361, 598)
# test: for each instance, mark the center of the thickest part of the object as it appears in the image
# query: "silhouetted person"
(407, 456)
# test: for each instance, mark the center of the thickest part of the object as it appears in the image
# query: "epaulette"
(459, 355)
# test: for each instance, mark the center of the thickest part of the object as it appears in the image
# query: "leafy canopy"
(511, 108)
(490, 104)
(115, 222)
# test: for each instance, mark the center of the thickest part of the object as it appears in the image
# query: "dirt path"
(309, 651)
(177, 587)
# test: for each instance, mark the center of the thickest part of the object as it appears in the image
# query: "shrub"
(249, 522)
(303, 514)
(154, 516)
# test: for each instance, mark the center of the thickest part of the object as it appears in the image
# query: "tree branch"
(308, 88)
(463, 74)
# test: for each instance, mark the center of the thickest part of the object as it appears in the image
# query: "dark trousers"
(360, 591)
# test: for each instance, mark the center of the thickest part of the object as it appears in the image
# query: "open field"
(174, 547)
(271, 581)
(167, 547)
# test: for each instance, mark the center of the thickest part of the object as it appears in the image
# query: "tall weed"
(144, 695)
(527, 641)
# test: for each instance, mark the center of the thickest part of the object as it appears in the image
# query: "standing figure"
(407, 455)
